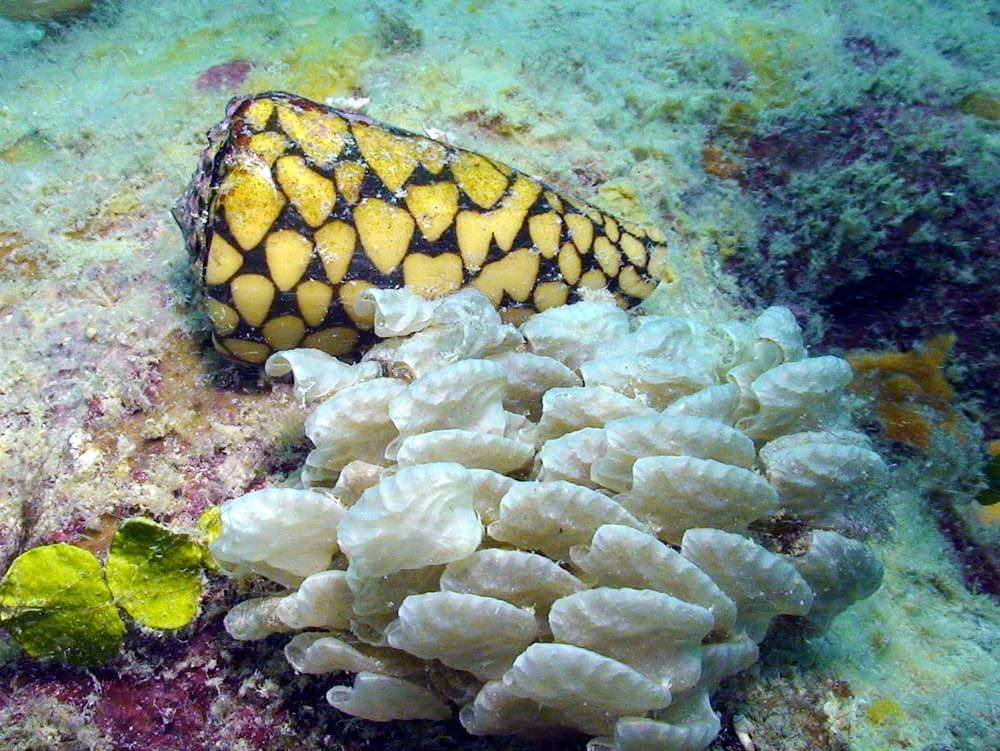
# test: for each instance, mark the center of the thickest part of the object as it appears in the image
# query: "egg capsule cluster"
(553, 525)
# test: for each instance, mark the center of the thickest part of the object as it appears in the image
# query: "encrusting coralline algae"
(553, 525)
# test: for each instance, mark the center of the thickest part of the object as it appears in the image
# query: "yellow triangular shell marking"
(364, 318)
(634, 251)
(385, 232)
(224, 319)
(287, 254)
(631, 283)
(433, 207)
(258, 113)
(349, 177)
(314, 299)
(433, 155)
(523, 194)
(337, 340)
(335, 243)
(594, 279)
(268, 145)
(252, 296)
(569, 263)
(284, 332)
(655, 235)
(554, 201)
(320, 135)
(607, 255)
(611, 229)
(581, 231)
(545, 230)
(475, 229)
(393, 158)
(483, 183)
(251, 200)
(310, 193)
(473, 232)
(245, 350)
(514, 274)
(659, 268)
(433, 276)
(223, 261)
(550, 295)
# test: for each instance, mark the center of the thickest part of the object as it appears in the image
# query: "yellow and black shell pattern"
(297, 208)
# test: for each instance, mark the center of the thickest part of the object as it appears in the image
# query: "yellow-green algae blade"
(208, 529)
(155, 574)
(55, 602)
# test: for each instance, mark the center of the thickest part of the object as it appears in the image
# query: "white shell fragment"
(382, 698)
(417, 517)
(493, 515)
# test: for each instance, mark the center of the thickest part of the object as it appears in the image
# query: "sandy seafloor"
(112, 405)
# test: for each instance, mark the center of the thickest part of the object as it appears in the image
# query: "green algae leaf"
(155, 574)
(55, 602)
(208, 528)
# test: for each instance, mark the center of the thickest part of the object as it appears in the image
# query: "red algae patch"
(223, 76)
